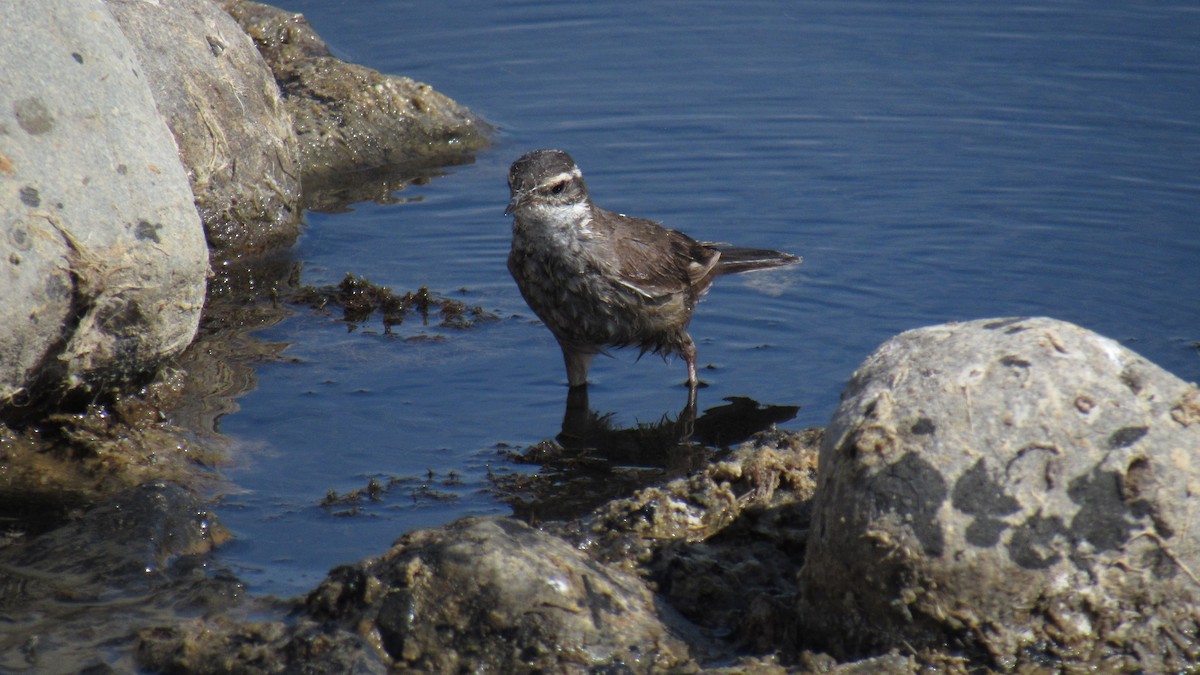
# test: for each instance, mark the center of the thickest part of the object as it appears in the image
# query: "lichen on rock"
(1022, 490)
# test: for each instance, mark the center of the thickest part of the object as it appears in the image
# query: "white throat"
(563, 222)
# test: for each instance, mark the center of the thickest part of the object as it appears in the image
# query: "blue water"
(932, 161)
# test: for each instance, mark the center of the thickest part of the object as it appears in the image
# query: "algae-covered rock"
(349, 117)
(497, 595)
(722, 546)
(479, 595)
(1022, 489)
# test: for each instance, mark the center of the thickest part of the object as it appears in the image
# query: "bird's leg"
(578, 364)
(688, 417)
(688, 351)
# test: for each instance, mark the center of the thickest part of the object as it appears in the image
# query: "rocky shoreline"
(1002, 494)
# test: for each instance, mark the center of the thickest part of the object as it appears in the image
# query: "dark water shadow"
(338, 193)
(592, 461)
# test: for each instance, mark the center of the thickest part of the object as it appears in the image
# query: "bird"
(599, 279)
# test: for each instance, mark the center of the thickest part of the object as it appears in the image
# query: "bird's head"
(545, 178)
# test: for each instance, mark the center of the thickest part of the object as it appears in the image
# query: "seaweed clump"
(360, 298)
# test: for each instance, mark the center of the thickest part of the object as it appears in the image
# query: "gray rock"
(220, 100)
(479, 595)
(102, 256)
(1023, 489)
(495, 595)
(349, 117)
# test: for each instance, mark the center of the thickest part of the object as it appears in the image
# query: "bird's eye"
(558, 187)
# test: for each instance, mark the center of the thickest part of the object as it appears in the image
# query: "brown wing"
(657, 262)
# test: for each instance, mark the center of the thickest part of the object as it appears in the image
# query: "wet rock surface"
(135, 555)
(102, 256)
(221, 102)
(1021, 490)
(72, 460)
(644, 584)
(498, 594)
(349, 117)
(723, 545)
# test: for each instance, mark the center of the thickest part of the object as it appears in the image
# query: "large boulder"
(1020, 489)
(220, 99)
(102, 257)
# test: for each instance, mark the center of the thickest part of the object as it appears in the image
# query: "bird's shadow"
(592, 460)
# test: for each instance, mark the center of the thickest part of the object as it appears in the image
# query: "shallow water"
(931, 161)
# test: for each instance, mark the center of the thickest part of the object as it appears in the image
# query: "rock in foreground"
(479, 595)
(495, 594)
(1020, 489)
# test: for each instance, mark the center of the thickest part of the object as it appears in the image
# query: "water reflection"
(593, 460)
(339, 192)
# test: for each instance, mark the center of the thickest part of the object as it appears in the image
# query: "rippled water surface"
(932, 161)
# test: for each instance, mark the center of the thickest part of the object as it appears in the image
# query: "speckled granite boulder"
(1022, 489)
(102, 256)
(220, 100)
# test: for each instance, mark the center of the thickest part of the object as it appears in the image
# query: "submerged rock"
(102, 256)
(235, 136)
(138, 532)
(1022, 490)
(71, 594)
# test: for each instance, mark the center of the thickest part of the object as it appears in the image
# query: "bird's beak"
(518, 198)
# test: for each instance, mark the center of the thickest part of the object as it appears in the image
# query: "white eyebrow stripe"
(566, 175)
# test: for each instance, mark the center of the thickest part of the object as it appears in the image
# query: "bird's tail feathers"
(734, 259)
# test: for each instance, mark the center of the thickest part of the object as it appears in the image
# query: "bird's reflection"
(584, 428)
(592, 460)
